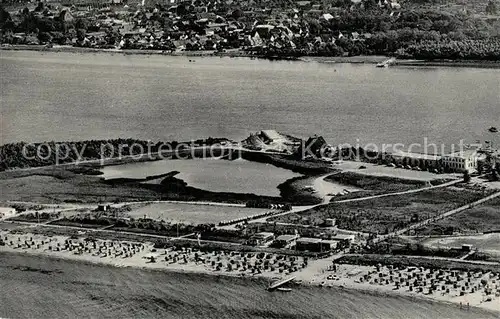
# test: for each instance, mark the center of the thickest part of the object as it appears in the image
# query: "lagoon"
(238, 176)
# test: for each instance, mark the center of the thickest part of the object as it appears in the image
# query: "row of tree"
(455, 50)
(23, 155)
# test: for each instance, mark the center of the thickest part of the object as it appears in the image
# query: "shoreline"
(368, 290)
(307, 277)
(364, 59)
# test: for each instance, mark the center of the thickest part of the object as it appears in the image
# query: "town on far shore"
(400, 223)
(407, 30)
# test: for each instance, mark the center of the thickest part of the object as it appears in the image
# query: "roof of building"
(343, 237)
(430, 157)
(264, 26)
(462, 154)
(6, 209)
(263, 235)
(331, 242)
(286, 237)
(272, 134)
(307, 240)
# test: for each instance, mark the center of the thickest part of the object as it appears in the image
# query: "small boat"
(284, 289)
(493, 129)
(386, 63)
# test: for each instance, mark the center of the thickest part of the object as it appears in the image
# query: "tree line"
(24, 155)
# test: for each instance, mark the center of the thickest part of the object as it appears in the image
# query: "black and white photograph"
(250, 159)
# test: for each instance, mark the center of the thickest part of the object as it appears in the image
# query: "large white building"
(461, 161)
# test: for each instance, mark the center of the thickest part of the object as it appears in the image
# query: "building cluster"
(317, 148)
(298, 243)
(176, 25)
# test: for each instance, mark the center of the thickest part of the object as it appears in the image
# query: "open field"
(383, 215)
(192, 213)
(488, 243)
(10, 226)
(382, 170)
(370, 185)
(483, 218)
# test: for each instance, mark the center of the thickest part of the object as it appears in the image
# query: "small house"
(103, 208)
(330, 222)
(285, 240)
(260, 239)
(466, 247)
(6, 212)
(309, 244)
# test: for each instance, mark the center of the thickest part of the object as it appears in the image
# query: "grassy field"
(376, 185)
(483, 218)
(62, 185)
(489, 243)
(382, 215)
(192, 213)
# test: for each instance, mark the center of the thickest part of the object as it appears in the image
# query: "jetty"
(280, 283)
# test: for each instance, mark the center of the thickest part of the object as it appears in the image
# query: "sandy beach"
(458, 287)
(362, 59)
(473, 289)
(131, 254)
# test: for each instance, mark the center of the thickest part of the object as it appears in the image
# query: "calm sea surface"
(65, 96)
(69, 96)
(49, 288)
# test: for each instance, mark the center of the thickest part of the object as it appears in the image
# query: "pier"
(280, 283)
